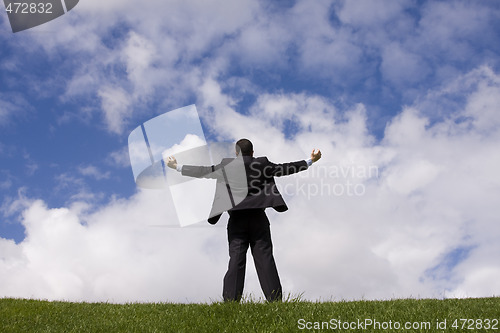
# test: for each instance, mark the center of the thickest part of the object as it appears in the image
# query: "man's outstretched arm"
(193, 170)
(286, 169)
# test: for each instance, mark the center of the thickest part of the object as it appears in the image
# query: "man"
(248, 224)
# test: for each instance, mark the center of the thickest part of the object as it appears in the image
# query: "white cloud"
(94, 172)
(370, 13)
(12, 105)
(115, 254)
(412, 175)
(6, 178)
(119, 158)
(451, 28)
(482, 106)
(279, 109)
(400, 66)
(5, 183)
(325, 51)
(190, 141)
(140, 56)
(75, 188)
(163, 50)
(116, 107)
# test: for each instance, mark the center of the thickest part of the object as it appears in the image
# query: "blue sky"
(410, 87)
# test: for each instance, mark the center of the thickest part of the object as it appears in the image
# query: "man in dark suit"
(248, 224)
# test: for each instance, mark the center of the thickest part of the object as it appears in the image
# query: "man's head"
(245, 147)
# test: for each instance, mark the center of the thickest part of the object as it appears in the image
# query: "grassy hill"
(408, 315)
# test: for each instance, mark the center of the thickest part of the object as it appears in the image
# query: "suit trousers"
(250, 227)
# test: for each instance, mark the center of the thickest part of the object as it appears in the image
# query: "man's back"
(262, 189)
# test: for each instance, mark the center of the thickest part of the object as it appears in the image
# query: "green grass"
(18, 315)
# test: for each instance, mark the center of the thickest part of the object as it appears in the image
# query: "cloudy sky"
(401, 97)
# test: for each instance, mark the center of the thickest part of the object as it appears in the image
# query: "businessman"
(248, 224)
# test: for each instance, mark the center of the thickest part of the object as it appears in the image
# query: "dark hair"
(245, 147)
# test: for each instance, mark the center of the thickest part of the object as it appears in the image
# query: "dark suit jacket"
(255, 189)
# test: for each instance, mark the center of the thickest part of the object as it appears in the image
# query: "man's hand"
(172, 162)
(315, 155)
